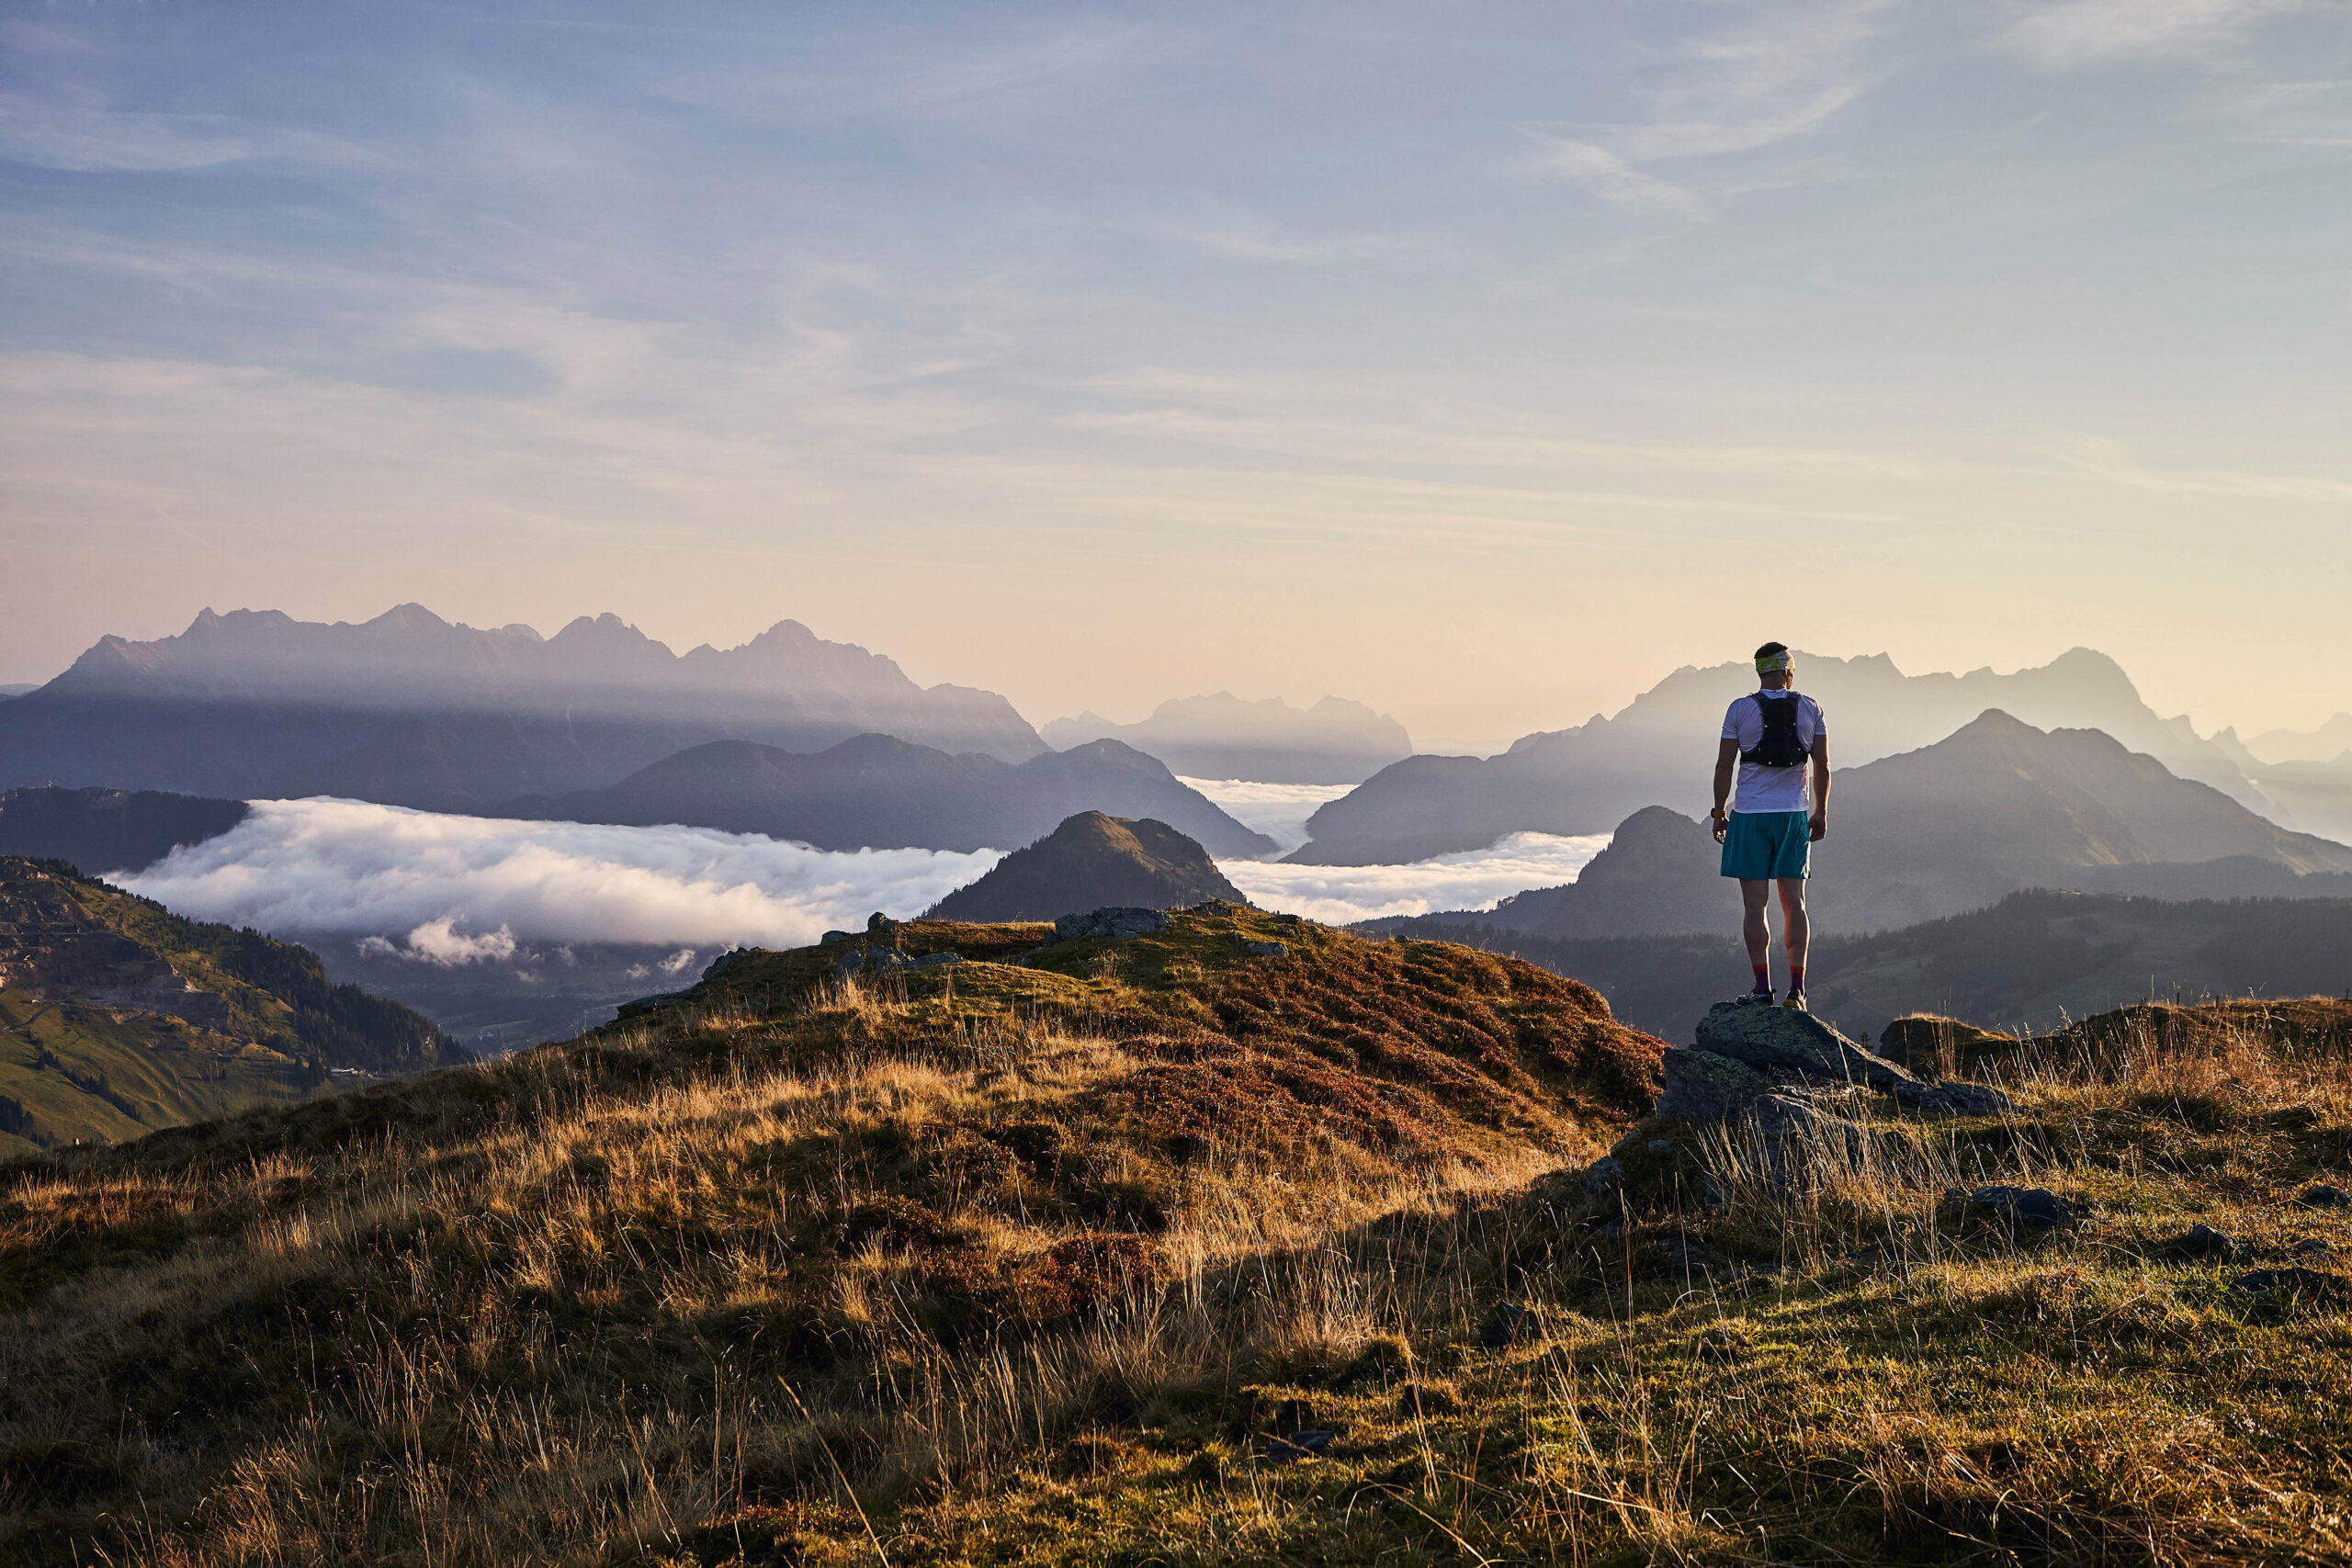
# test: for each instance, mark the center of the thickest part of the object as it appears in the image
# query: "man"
(1778, 743)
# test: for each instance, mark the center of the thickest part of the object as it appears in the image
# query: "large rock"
(1784, 1041)
(1791, 1040)
(1703, 1087)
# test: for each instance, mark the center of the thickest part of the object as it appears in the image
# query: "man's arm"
(1726, 762)
(1820, 825)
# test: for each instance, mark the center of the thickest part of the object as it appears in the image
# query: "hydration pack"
(1780, 747)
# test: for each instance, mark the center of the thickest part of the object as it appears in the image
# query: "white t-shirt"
(1772, 789)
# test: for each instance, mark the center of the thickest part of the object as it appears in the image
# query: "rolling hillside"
(118, 1018)
(1162, 1251)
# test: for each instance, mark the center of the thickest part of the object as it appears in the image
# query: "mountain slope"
(411, 710)
(1660, 751)
(1223, 736)
(877, 792)
(1995, 806)
(1089, 862)
(109, 829)
(655, 1232)
(117, 1017)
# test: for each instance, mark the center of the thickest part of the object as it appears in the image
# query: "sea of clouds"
(455, 890)
(452, 891)
(1278, 810)
(1474, 879)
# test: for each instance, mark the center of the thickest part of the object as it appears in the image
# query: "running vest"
(1778, 746)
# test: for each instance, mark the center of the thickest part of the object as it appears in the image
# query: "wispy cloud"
(1608, 176)
(1240, 236)
(2073, 33)
(1774, 75)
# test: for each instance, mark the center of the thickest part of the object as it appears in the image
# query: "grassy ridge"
(520, 1311)
(1048, 1263)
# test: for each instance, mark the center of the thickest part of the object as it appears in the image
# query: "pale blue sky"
(1483, 363)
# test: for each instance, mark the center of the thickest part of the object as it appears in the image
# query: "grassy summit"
(1160, 1252)
(520, 1312)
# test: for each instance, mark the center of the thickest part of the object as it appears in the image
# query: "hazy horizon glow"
(1482, 366)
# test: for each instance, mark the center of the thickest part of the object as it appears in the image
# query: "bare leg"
(1796, 930)
(1755, 927)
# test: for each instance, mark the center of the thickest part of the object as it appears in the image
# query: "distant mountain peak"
(1092, 860)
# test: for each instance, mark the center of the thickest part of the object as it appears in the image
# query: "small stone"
(1268, 948)
(1607, 1174)
(2296, 1280)
(1510, 1323)
(2035, 1205)
(1310, 1443)
(1661, 1145)
(2320, 1196)
(1681, 1252)
(2312, 1245)
(2204, 1241)
(933, 960)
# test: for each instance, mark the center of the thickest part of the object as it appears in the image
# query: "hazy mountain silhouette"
(2035, 958)
(878, 792)
(411, 710)
(103, 830)
(1223, 736)
(2328, 743)
(1089, 862)
(1997, 807)
(1660, 751)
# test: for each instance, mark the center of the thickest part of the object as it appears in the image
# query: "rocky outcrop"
(1746, 1058)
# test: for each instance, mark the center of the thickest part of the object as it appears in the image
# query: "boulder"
(1791, 1041)
(1933, 1045)
(1268, 948)
(1606, 1175)
(2323, 1197)
(1117, 923)
(932, 960)
(1703, 1087)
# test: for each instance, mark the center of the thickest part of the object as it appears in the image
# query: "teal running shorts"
(1763, 845)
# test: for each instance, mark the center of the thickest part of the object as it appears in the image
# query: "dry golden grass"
(1009, 1265)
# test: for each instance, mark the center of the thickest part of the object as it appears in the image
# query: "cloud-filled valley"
(449, 890)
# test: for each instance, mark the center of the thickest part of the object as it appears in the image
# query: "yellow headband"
(1769, 662)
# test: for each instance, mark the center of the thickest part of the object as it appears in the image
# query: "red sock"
(1797, 980)
(1763, 978)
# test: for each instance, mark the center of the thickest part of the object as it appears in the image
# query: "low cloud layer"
(1475, 879)
(1278, 810)
(451, 890)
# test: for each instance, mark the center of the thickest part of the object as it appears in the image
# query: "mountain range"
(104, 831)
(2036, 958)
(1660, 751)
(1224, 736)
(1997, 807)
(879, 792)
(1089, 862)
(409, 709)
